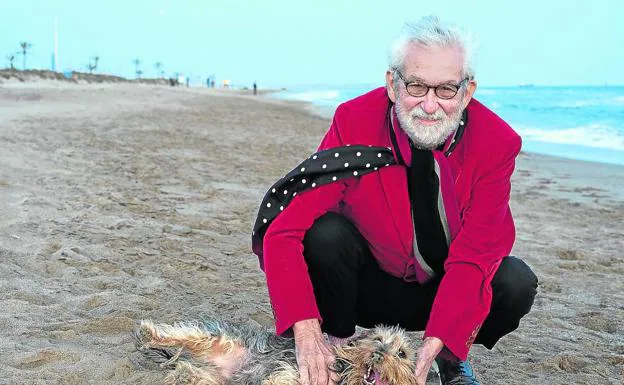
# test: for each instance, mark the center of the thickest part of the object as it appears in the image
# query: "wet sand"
(124, 202)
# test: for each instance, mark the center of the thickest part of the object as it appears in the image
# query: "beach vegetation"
(93, 63)
(137, 69)
(25, 46)
(160, 73)
(11, 60)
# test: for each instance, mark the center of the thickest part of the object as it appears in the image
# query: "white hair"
(430, 32)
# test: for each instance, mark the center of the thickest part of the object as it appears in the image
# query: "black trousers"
(351, 289)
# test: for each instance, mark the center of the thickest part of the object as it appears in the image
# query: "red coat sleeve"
(464, 297)
(288, 282)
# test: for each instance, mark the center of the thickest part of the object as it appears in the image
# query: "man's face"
(428, 120)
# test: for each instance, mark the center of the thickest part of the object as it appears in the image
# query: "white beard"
(427, 136)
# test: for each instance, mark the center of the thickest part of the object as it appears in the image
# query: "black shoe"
(456, 372)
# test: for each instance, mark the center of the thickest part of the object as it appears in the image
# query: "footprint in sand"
(70, 253)
(569, 255)
(570, 363)
(598, 322)
(45, 357)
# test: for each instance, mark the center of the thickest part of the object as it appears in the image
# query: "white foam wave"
(314, 96)
(615, 101)
(593, 135)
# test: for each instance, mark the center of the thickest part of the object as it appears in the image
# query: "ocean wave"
(592, 135)
(612, 101)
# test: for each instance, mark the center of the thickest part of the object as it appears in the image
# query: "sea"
(582, 122)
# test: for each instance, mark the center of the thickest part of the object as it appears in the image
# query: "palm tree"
(92, 66)
(25, 47)
(159, 72)
(137, 71)
(11, 58)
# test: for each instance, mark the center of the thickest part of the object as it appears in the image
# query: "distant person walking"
(255, 89)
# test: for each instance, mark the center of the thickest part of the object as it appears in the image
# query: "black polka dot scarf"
(321, 168)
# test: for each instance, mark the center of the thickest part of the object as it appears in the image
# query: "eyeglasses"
(442, 91)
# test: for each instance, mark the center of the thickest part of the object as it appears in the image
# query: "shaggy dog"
(213, 352)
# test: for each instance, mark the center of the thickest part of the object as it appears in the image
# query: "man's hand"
(425, 356)
(314, 356)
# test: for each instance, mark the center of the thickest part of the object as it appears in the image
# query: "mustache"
(419, 113)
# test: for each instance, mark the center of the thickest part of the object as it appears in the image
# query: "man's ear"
(471, 87)
(390, 86)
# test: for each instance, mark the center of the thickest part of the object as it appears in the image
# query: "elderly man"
(401, 218)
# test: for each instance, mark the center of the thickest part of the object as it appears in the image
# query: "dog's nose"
(377, 357)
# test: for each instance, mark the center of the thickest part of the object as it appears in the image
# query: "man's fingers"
(333, 377)
(322, 376)
(313, 373)
(304, 377)
(314, 359)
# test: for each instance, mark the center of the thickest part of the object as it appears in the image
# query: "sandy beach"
(125, 202)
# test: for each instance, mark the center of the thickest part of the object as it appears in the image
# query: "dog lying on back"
(215, 352)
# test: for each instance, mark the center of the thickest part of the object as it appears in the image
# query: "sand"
(124, 202)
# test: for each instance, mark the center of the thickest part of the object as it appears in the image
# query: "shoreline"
(552, 166)
(553, 163)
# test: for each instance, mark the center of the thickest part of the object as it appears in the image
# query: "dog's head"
(380, 356)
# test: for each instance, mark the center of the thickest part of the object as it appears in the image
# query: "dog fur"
(215, 352)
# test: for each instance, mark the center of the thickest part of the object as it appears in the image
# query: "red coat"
(378, 204)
